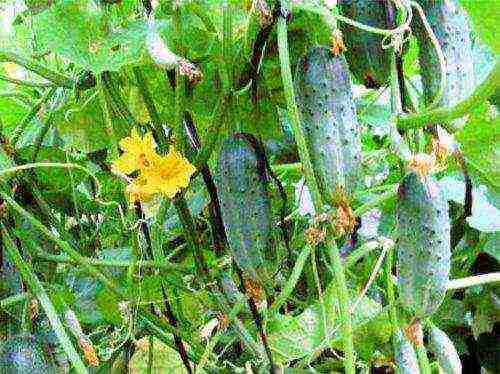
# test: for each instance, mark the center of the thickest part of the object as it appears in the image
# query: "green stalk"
(305, 158)
(31, 114)
(444, 115)
(8, 301)
(423, 360)
(292, 280)
(390, 288)
(39, 292)
(25, 83)
(58, 79)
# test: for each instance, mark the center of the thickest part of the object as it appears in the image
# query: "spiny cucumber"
(444, 350)
(404, 355)
(423, 244)
(328, 115)
(450, 24)
(245, 205)
(368, 61)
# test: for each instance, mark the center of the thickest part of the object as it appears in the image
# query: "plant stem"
(31, 114)
(25, 83)
(330, 245)
(8, 301)
(476, 280)
(58, 79)
(444, 115)
(39, 292)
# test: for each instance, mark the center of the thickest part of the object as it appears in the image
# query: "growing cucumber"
(369, 62)
(245, 205)
(450, 24)
(325, 99)
(445, 351)
(423, 244)
(404, 355)
(22, 354)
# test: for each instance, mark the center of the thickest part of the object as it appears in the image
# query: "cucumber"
(328, 115)
(423, 244)
(369, 62)
(451, 27)
(22, 354)
(245, 205)
(442, 347)
(404, 355)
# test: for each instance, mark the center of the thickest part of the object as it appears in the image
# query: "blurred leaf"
(485, 17)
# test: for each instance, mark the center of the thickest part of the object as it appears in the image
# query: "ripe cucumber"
(451, 27)
(245, 205)
(444, 350)
(22, 354)
(404, 355)
(369, 62)
(423, 244)
(328, 114)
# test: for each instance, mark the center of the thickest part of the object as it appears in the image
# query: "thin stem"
(26, 83)
(8, 301)
(31, 114)
(391, 298)
(444, 115)
(57, 78)
(305, 158)
(39, 292)
(476, 280)
(292, 280)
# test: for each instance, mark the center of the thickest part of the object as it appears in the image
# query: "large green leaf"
(92, 38)
(485, 16)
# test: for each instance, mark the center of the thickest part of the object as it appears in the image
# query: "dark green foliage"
(368, 61)
(404, 355)
(245, 205)
(451, 27)
(324, 95)
(22, 354)
(423, 245)
(445, 351)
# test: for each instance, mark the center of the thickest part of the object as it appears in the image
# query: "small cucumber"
(404, 355)
(423, 244)
(328, 115)
(245, 204)
(444, 350)
(369, 62)
(22, 354)
(451, 27)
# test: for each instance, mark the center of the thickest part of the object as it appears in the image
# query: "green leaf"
(90, 37)
(485, 19)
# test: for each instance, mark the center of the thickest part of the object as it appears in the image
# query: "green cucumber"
(404, 355)
(423, 244)
(22, 354)
(245, 205)
(450, 24)
(442, 347)
(369, 62)
(328, 116)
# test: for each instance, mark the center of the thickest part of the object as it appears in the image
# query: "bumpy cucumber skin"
(404, 355)
(445, 351)
(369, 62)
(423, 245)
(22, 354)
(328, 115)
(245, 205)
(451, 27)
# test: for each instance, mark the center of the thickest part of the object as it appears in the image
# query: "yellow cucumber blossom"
(158, 174)
(138, 153)
(168, 174)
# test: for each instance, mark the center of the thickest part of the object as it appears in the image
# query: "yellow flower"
(138, 191)
(139, 153)
(168, 174)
